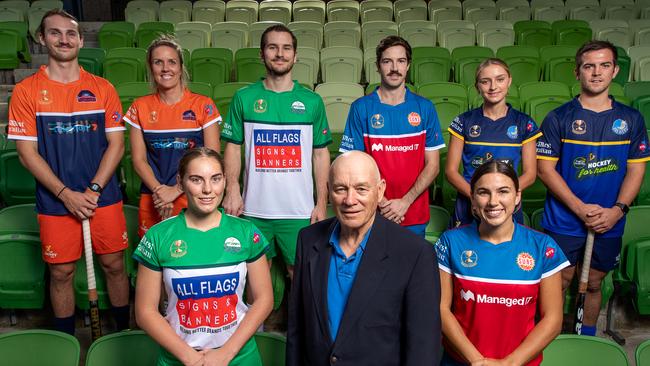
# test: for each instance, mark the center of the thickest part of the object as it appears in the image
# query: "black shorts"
(605, 256)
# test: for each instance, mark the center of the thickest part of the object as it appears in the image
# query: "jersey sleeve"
(531, 131)
(259, 244)
(322, 136)
(22, 116)
(147, 251)
(549, 143)
(639, 151)
(209, 112)
(233, 128)
(554, 259)
(434, 140)
(353, 134)
(456, 127)
(113, 110)
(131, 116)
(442, 252)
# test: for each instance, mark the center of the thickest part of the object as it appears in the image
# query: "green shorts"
(247, 356)
(281, 234)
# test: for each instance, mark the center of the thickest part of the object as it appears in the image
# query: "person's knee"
(62, 273)
(567, 276)
(112, 264)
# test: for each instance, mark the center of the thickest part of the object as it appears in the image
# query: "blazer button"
(333, 359)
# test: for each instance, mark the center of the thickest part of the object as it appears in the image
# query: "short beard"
(274, 73)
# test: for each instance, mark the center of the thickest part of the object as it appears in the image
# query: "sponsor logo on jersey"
(324, 131)
(455, 124)
(232, 245)
(86, 96)
(178, 248)
(16, 128)
(44, 97)
(377, 147)
(298, 107)
(529, 126)
(277, 149)
(501, 300)
(544, 148)
(178, 143)
(256, 238)
(477, 161)
(48, 252)
(512, 132)
(579, 127)
(206, 303)
(549, 252)
(468, 258)
(475, 131)
(643, 145)
(208, 109)
(593, 166)
(153, 117)
(347, 142)
(67, 128)
(620, 127)
(525, 261)
(414, 119)
(116, 116)
(394, 148)
(377, 121)
(188, 115)
(260, 106)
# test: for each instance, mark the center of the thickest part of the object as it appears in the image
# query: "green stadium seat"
(92, 60)
(513, 10)
(308, 34)
(337, 97)
(278, 275)
(536, 219)
(141, 11)
(343, 10)
(624, 66)
(306, 68)
(373, 32)
(125, 64)
(612, 30)
(371, 75)
(640, 58)
(642, 353)
(309, 11)
(640, 31)
(222, 95)
(275, 11)
(116, 34)
(80, 284)
(643, 198)
(548, 11)
(584, 12)
(429, 64)
(465, 60)
(54, 348)
(475, 10)
(17, 185)
(494, 34)
(35, 14)
(132, 180)
(636, 228)
(175, 11)
(19, 219)
(475, 99)
(211, 65)
(193, 35)
(341, 64)
(571, 349)
(47, 4)
(14, 10)
(126, 348)
(342, 33)
(438, 222)
(9, 50)
(450, 100)
(232, 35)
(272, 348)
(132, 224)
(615, 89)
(445, 10)
(209, 11)
(638, 271)
(456, 33)
(558, 63)
(418, 33)
(533, 197)
(571, 32)
(534, 33)
(539, 98)
(406, 10)
(22, 279)
(248, 65)
(621, 11)
(523, 62)
(371, 88)
(242, 11)
(372, 10)
(257, 29)
(20, 29)
(130, 91)
(149, 31)
(202, 88)
(636, 89)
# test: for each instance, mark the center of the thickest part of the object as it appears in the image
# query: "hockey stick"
(582, 286)
(95, 325)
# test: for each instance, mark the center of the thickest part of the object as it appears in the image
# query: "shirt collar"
(334, 238)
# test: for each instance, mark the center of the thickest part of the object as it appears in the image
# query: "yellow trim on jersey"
(640, 160)
(601, 143)
(455, 134)
(539, 133)
(551, 158)
(491, 144)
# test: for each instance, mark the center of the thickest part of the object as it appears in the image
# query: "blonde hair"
(169, 41)
(489, 62)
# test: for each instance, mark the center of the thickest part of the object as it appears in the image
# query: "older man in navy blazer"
(366, 291)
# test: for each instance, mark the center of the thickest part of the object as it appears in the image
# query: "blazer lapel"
(318, 271)
(369, 277)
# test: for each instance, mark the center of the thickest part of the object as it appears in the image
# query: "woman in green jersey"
(203, 257)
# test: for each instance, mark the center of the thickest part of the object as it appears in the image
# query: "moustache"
(64, 45)
(396, 73)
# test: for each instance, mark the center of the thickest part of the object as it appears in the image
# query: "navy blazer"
(392, 316)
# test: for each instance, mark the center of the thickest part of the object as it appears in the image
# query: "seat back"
(494, 34)
(22, 280)
(231, 35)
(223, 94)
(127, 348)
(536, 33)
(54, 348)
(257, 29)
(209, 11)
(92, 60)
(571, 32)
(342, 33)
(148, 31)
(418, 33)
(570, 349)
(175, 11)
(450, 100)
(445, 10)
(275, 11)
(272, 348)
(308, 34)
(642, 353)
(337, 97)
(373, 32)
(125, 65)
(345, 10)
(438, 222)
(429, 64)
(456, 33)
(211, 65)
(309, 10)
(306, 68)
(116, 34)
(248, 65)
(341, 64)
(17, 185)
(242, 11)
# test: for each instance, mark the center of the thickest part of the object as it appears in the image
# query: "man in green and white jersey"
(284, 130)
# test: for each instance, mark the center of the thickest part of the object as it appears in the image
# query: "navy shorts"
(463, 213)
(605, 256)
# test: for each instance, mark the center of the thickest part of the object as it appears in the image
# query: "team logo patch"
(178, 249)
(512, 132)
(116, 116)
(620, 127)
(188, 115)
(232, 245)
(298, 107)
(579, 162)
(260, 106)
(86, 96)
(414, 119)
(48, 252)
(44, 97)
(468, 258)
(153, 117)
(208, 109)
(256, 238)
(525, 261)
(579, 127)
(475, 131)
(377, 121)
(642, 146)
(549, 253)
(467, 295)
(529, 126)
(324, 132)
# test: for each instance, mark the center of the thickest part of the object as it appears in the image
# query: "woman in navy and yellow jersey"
(163, 125)
(493, 131)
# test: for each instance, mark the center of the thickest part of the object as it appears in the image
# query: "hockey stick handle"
(88, 252)
(586, 262)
